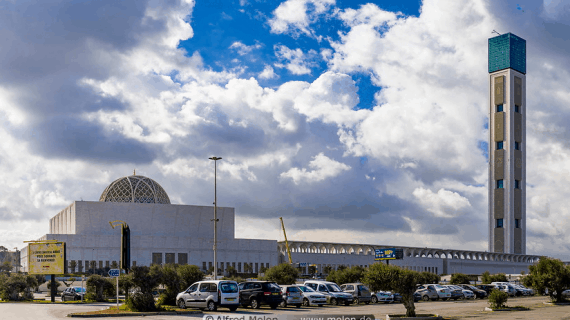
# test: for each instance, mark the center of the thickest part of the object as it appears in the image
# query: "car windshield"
(333, 288)
(228, 287)
(306, 289)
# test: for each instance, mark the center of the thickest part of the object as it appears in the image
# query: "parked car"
(291, 295)
(311, 297)
(456, 292)
(359, 292)
(382, 296)
(486, 287)
(467, 294)
(331, 290)
(476, 291)
(510, 290)
(433, 292)
(522, 290)
(210, 295)
(72, 293)
(529, 291)
(258, 293)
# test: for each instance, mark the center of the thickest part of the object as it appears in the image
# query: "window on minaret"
(517, 108)
(517, 145)
(517, 223)
(500, 184)
(499, 223)
(517, 184)
(499, 145)
(500, 108)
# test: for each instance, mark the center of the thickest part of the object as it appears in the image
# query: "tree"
(327, 269)
(486, 277)
(499, 277)
(346, 275)
(3, 249)
(98, 288)
(549, 274)
(282, 274)
(188, 275)
(146, 282)
(247, 268)
(380, 276)
(428, 277)
(232, 272)
(126, 283)
(72, 265)
(6, 267)
(114, 265)
(17, 286)
(498, 299)
(459, 278)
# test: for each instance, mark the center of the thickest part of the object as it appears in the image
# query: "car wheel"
(374, 299)
(356, 301)
(233, 308)
(283, 304)
(273, 306)
(306, 302)
(211, 306)
(425, 298)
(333, 301)
(181, 304)
(255, 304)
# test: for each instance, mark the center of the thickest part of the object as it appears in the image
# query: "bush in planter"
(139, 301)
(498, 299)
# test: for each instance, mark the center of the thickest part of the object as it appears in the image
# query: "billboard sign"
(46, 257)
(388, 254)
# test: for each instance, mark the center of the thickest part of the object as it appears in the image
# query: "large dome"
(136, 189)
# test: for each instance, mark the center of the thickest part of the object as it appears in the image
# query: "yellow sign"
(46, 258)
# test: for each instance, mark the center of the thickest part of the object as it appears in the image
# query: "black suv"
(486, 287)
(256, 293)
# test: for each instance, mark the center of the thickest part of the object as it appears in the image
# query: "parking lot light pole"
(215, 216)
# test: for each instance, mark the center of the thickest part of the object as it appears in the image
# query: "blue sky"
(356, 121)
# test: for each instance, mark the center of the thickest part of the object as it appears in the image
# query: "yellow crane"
(286, 243)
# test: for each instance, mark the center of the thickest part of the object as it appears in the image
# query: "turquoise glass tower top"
(507, 51)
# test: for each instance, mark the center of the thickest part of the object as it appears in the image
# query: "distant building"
(507, 144)
(10, 256)
(160, 232)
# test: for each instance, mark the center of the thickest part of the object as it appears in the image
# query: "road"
(456, 310)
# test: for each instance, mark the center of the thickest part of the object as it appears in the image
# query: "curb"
(132, 314)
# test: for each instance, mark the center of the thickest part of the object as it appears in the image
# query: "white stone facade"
(175, 233)
(439, 261)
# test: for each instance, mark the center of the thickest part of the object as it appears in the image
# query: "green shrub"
(498, 299)
(139, 301)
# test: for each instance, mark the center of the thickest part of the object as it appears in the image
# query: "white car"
(210, 295)
(311, 297)
(382, 296)
(442, 292)
(467, 294)
(331, 290)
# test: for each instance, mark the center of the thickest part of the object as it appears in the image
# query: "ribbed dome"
(136, 189)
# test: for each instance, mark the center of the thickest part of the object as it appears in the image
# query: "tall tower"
(507, 144)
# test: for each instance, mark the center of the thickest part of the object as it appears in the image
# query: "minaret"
(507, 144)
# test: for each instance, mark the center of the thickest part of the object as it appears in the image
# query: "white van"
(331, 290)
(210, 295)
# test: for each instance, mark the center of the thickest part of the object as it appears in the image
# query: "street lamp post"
(215, 216)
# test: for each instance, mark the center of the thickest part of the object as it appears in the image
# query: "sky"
(355, 121)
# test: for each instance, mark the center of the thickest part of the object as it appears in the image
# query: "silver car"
(291, 295)
(311, 297)
(210, 295)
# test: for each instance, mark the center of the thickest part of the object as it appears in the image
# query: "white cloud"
(295, 16)
(268, 73)
(297, 62)
(444, 203)
(243, 49)
(323, 168)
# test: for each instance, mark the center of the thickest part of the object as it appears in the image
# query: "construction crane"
(286, 243)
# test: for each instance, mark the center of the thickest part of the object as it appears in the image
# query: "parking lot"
(469, 309)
